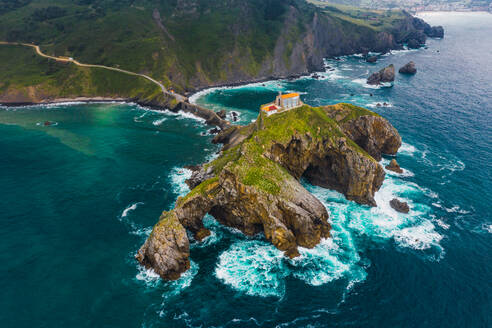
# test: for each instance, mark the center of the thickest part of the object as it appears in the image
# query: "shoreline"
(209, 116)
(452, 11)
(193, 97)
(84, 100)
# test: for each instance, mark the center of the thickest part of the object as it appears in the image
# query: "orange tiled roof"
(290, 95)
(269, 107)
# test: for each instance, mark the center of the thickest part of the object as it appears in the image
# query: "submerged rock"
(372, 59)
(386, 74)
(254, 185)
(399, 206)
(393, 166)
(408, 68)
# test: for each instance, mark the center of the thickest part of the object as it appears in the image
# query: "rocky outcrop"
(167, 249)
(408, 68)
(385, 75)
(413, 44)
(167, 102)
(434, 31)
(222, 114)
(399, 206)
(374, 134)
(394, 166)
(254, 184)
(372, 59)
(415, 30)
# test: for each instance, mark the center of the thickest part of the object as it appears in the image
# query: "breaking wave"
(178, 177)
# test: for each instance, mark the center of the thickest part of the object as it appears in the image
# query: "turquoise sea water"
(80, 196)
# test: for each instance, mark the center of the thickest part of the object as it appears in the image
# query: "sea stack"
(409, 68)
(385, 75)
(399, 206)
(393, 166)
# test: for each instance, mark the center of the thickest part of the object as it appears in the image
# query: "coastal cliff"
(185, 45)
(254, 185)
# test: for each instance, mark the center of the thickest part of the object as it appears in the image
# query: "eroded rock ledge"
(254, 184)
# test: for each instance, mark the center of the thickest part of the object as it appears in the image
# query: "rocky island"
(254, 185)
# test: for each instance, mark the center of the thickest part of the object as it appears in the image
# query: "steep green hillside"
(190, 44)
(39, 79)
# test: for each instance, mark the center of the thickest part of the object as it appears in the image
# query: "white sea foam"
(487, 227)
(48, 125)
(134, 228)
(159, 121)
(407, 149)
(142, 232)
(178, 177)
(364, 83)
(399, 52)
(254, 267)
(137, 119)
(177, 115)
(383, 222)
(442, 224)
(148, 276)
(130, 208)
(406, 173)
(380, 103)
(172, 288)
(272, 85)
(215, 233)
(419, 237)
(257, 268)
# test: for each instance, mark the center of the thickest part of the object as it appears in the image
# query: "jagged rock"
(399, 206)
(214, 130)
(386, 74)
(393, 166)
(372, 133)
(199, 174)
(435, 32)
(408, 68)
(372, 59)
(167, 250)
(413, 44)
(254, 184)
(222, 114)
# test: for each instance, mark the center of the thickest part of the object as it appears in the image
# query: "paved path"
(71, 60)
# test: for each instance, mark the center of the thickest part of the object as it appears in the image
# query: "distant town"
(420, 5)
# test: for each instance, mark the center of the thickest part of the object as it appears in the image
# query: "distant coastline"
(68, 101)
(451, 11)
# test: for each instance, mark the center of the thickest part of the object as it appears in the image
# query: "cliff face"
(254, 185)
(305, 37)
(303, 42)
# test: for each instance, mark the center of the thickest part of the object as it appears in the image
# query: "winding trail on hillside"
(178, 97)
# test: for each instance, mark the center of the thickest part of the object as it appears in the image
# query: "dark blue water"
(80, 197)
